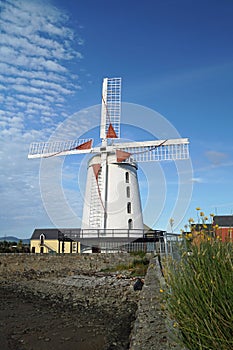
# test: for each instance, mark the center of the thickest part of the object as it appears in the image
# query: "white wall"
(117, 197)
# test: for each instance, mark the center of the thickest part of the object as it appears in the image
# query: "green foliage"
(200, 296)
(13, 247)
(137, 267)
(140, 254)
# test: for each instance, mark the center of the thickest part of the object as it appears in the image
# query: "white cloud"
(215, 157)
(8, 70)
(197, 180)
(33, 48)
(36, 47)
(2, 87)
(23, 44)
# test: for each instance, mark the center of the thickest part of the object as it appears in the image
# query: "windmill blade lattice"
(111, 108)
(59, 148)
(159, 150)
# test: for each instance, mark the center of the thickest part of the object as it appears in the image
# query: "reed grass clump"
(200, 296)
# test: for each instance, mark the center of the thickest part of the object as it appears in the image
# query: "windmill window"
(127, 177)
(129, 208)
(128, 192)
(130, 224)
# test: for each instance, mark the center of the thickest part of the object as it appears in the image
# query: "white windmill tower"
(112, 198)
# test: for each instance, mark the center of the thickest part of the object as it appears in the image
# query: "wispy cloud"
(37, 45)
(216, 158)
(197, 180)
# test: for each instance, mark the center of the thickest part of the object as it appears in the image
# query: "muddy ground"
(63, 310)
(26, 325)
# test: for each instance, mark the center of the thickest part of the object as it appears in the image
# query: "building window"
(42, 237)
(129, 208)
(130, 224)
(74, 247)
(128, 192)
(230, 233)
(127, 177)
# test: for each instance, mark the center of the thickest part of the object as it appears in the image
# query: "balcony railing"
(131, 234)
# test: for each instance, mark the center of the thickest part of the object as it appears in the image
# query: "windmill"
(112, 197)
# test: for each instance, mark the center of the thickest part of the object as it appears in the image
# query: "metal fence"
(164, 244)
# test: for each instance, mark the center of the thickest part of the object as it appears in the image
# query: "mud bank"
(66, 303)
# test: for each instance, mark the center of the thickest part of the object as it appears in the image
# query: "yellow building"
(54, 241)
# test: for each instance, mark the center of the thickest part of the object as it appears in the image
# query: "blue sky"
(175, 57)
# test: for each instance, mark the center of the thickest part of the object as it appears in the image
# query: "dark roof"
(50, 233)
(223, 220)
(54, 233)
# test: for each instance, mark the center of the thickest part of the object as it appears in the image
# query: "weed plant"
(138, 254)
(200, 296)
(138, 267)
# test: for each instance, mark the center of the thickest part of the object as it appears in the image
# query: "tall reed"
(200, 295)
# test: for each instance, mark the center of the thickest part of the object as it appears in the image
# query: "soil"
(39, 325)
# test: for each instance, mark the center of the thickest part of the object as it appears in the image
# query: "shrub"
(140, 254)
(200, 296)
(137, 267)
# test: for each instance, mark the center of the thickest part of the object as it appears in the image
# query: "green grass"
(137, 267)
(139, 254)
(200, 296)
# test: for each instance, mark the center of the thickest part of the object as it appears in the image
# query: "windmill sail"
(158, 150)
(59, 148)
(111, 108)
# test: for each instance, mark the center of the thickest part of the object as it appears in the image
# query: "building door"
(130, 224)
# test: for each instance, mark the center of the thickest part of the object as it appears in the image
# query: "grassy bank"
(200, 296)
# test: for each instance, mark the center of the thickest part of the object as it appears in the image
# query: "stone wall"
(151, 329)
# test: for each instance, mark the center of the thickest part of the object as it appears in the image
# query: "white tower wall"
(119, 205)
(123, 204)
